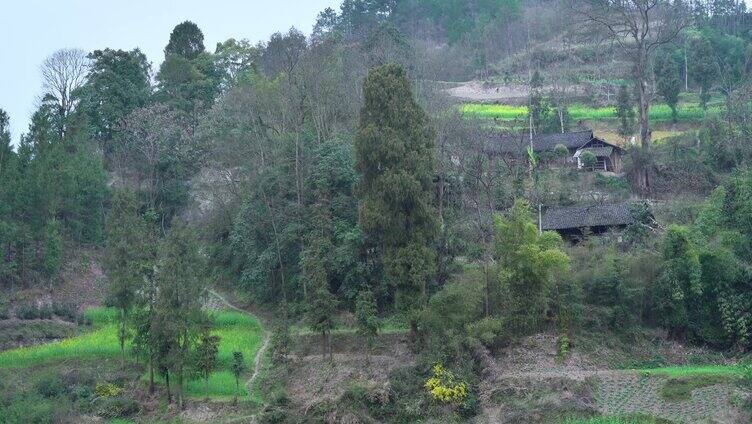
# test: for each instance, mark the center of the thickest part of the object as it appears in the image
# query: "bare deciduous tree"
(638, 27)
(62, 73)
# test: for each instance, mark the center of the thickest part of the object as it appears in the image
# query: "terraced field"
(578, 112)
(238, 331)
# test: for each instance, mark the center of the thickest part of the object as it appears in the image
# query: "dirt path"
(261, 350)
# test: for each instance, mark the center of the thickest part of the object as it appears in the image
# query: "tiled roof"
(541, 142)
(586, 216)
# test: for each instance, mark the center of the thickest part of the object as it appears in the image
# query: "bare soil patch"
(313, 378)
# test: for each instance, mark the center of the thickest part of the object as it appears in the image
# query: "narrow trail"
(261, 350)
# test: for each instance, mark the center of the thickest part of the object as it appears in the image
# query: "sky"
(31, 30)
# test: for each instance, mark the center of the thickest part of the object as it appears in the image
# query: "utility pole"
(540, 219)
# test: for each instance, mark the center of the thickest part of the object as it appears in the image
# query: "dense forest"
(343, 186)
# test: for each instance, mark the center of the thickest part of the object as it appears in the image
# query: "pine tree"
(669, 83)
(238, 368)
(366, 317)
(702, 69)
(538, 108)
(206, 353)
(181, 289)
(186, 40)
(125, 257)
(394, 148)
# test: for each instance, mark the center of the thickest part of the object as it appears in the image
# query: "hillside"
(485, 211)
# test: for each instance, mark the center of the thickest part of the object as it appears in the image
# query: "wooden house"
(608, 157)
(573, 222)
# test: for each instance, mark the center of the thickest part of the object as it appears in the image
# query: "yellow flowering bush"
(105, 390)
(442, 386)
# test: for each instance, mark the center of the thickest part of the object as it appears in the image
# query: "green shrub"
(588, 159)
(470, 407)
(562, 349)
(4, 314)
(65, 311)
(50, 386)
(489, 331)
(80, 392)
(117, 407)
(27, 311)
(746, 371)
(561, 151)
(29, 410)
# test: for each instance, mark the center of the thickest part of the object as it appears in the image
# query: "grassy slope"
(696, 370)
(238, 332)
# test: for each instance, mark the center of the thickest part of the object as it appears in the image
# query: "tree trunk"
(179, 388)
(122, 338)
(329, 346)
(167, 383)
(151, 374)
(643, 182)
(644, 106)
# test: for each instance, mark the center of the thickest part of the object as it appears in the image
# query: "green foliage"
(562, 347)
(51, 191)
(528, 264)
(679, 286)
(460, 19)
(186, 40)
(442, 325)
(205, 356)
(237, 332)
(489, 331)
(117, 83)
(127, 261)
(615, 285)
(561, 151)
(50, 386)
(188, 85)
(237, 367)
(702, 67)
(668, 81)
(366, 316)
(395, 158)
(178, 314)
(588, 159)
(30, 410)
(625, 112)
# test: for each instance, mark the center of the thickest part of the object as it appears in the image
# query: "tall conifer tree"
(394, 148)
